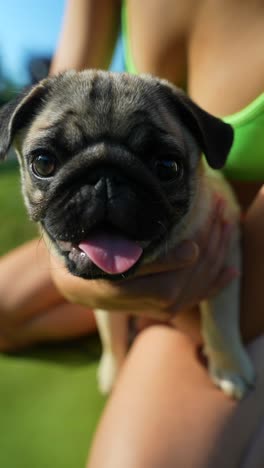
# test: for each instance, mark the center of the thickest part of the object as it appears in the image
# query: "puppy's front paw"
(107, 372)
(234, 381)
(233, 385)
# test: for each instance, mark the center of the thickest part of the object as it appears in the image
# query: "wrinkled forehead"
(90, 106)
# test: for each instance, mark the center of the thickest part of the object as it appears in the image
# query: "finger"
(215, 260)
(210, 250)
(225, 277)
(191, 276)
(203, 278)
(202, 272)
(219, 276)
(185, 254)
(215, 216)
(214, 253)
(218, 257)
(175, 296)
(157, 291)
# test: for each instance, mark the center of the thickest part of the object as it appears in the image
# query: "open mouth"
(103, 253)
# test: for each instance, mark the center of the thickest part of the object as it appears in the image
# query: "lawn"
(49, 403)
(15, 226)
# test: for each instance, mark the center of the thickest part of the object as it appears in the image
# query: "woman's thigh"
(165, 411)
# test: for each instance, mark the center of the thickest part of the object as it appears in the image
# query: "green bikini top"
(246, 158)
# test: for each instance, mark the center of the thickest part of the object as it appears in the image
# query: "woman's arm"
(88, 35)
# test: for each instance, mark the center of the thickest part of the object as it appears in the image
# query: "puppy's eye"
(168, 169)
(44, 165)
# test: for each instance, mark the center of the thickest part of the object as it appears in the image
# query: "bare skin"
(205, 38)
(35, 311)
(214, 39)
(88, 36)
(184, 421)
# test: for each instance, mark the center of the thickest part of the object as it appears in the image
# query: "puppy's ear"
(214, 136)
(17, 114)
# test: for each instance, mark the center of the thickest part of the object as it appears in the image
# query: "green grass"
(49, 403)
(15, 226)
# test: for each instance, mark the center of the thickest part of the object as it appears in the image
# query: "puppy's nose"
(108, 187)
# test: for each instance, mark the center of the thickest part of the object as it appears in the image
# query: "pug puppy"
(112, 171)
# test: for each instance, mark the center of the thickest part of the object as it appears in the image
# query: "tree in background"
(8, 89)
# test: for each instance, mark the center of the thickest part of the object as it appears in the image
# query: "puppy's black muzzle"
(106, 187)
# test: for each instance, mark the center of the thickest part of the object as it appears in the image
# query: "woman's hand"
(191, 272)
(33, 308)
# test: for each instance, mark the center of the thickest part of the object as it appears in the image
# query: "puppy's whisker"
(39, 254)
(165, 229)
(165, 240)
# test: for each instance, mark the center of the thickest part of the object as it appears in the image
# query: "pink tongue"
(112, 253)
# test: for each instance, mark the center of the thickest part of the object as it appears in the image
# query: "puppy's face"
(110, 165)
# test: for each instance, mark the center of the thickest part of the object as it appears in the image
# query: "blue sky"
(27, 27)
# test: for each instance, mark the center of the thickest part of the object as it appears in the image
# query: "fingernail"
(218, 207)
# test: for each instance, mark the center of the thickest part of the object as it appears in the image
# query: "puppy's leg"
(229, 364)
(113, 329)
